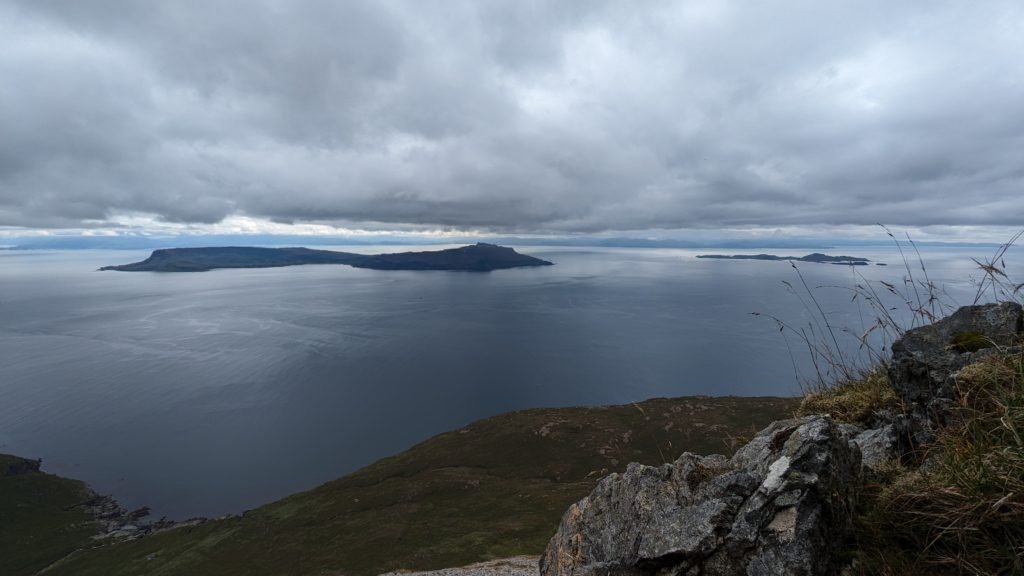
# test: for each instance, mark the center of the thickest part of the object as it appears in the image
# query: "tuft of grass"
(962, 512)
(995, 280)
(881, 323)
(854, 401)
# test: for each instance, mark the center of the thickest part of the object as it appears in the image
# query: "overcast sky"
(512, 117)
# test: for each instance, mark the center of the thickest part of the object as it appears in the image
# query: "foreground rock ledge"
(780, 505)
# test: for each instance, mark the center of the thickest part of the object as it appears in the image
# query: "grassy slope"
(495, 488)
(40, 521)
(962, 512)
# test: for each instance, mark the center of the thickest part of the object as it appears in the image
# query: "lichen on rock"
(775, 507)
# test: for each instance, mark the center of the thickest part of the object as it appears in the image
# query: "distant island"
(479, 257)
(816, 257)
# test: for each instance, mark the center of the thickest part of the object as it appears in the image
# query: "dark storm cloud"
(512, 116)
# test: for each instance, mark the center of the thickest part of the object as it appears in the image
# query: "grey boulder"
(925, 359)
(779, 506)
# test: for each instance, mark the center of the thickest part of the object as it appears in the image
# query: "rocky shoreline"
(116, 522)
(110, 519)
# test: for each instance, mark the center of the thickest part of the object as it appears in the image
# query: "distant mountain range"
(141, 242)
(479, 257)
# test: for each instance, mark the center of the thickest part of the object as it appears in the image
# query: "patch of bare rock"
(518, 566)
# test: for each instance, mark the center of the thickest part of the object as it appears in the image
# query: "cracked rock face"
(778, 506)
(879, 446)
(925, 359)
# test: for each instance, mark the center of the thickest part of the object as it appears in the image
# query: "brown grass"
(854, 401)
(962, 512)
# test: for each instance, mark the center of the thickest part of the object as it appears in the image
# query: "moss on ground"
(970, 342)
(492, 489)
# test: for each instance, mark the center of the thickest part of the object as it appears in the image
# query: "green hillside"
(494, 488)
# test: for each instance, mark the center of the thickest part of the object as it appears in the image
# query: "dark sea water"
(211, 393)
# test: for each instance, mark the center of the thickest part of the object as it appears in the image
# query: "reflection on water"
(208, 393)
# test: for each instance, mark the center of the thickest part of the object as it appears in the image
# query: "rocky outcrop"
(778, 506)
(15, 466)
(783, 503)
(925, 360)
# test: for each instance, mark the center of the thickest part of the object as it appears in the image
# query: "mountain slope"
(495, 488)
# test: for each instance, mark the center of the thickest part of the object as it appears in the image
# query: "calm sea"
(211, 393)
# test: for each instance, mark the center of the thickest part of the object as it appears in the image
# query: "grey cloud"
(512, 116)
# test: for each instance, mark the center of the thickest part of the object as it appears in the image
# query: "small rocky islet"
(816, 257)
